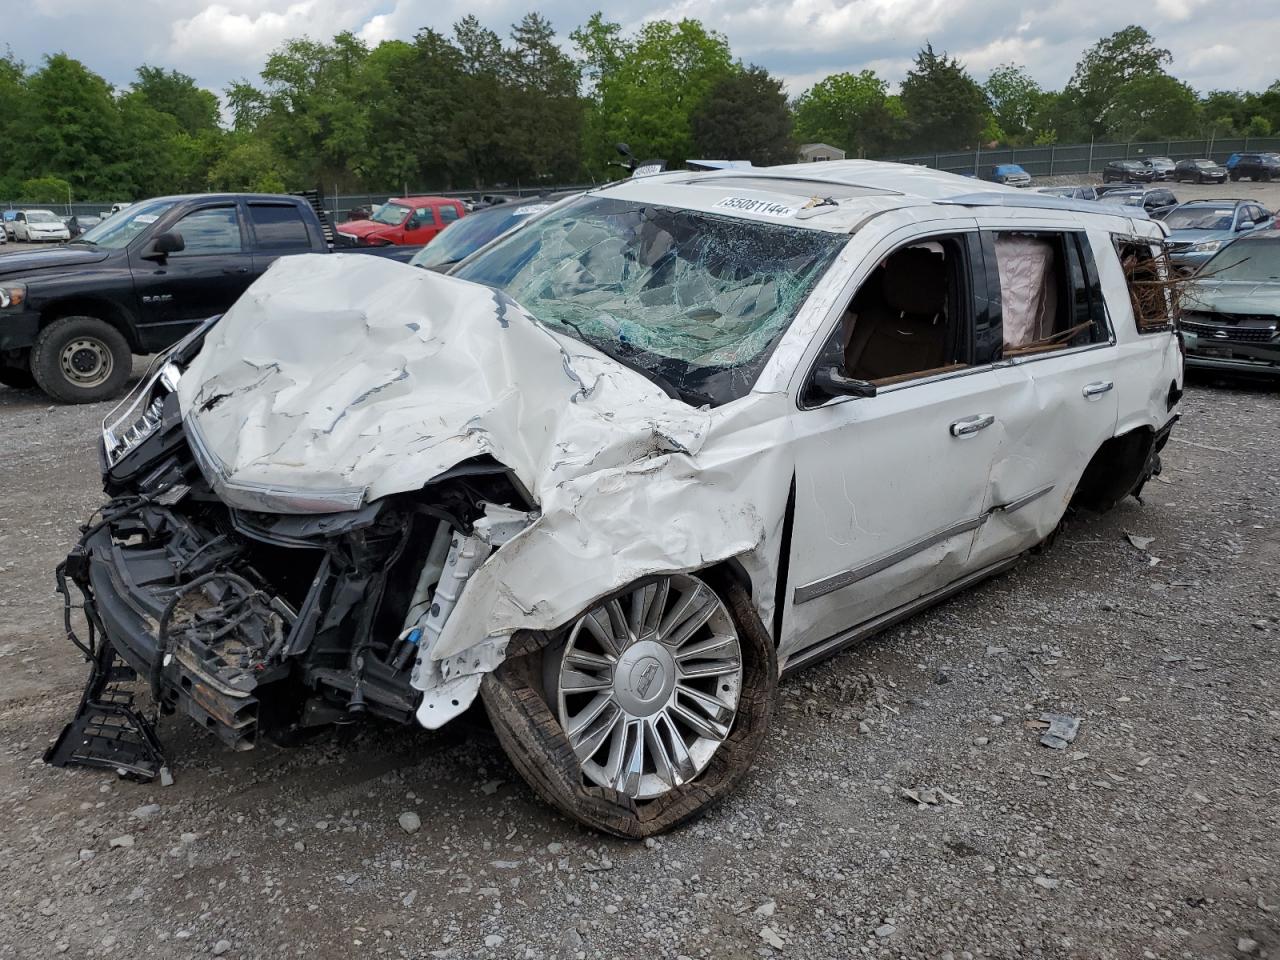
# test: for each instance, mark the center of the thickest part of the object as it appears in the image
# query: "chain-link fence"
(1090, 157)
(1047, 161)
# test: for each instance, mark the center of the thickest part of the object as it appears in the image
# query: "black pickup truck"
(72, 317)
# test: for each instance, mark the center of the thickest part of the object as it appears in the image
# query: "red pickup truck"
(405, 221)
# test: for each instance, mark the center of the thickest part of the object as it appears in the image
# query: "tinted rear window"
(279, 226)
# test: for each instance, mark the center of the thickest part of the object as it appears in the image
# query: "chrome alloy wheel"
(647, 687)
(86, 362)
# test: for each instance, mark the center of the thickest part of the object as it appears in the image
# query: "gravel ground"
(1154, 834)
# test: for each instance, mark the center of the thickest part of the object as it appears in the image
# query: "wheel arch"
(101, 308)
(1120, 466)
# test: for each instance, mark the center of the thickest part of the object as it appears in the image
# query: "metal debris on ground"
(1059, 729)
(928, 796)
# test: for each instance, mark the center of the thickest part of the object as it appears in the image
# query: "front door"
(890, 488)
(421, 226)
(205, 278)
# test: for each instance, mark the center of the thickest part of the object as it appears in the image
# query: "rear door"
(1060, 368)
(279, 230)
(448, 213)
(208, 275)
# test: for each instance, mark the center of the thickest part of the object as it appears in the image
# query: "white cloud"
(799, 40)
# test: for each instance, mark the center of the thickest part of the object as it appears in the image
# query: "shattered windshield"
(693, 300)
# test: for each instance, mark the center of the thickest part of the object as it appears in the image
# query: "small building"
(811, 152)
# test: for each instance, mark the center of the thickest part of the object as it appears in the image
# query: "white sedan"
(38, 226)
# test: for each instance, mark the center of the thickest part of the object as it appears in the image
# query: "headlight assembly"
(139, 415)
(1208, 246)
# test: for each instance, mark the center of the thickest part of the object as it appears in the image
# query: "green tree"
(429, 85)
(1257, 127)
(946, 109)
(744, 116)
(544, 127)
(174, 93)
(1226, 112)
(249, 164)
(478, 123)
(848, 110)
(15, 104)
(1015, 98)
(1107, 68)
(75, 130)
(45, 190)
(1153, 107)
(648, 86)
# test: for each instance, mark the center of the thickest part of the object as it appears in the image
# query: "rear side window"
(448, 213)
(1050, 297)
(1151, 281)
(279, 226)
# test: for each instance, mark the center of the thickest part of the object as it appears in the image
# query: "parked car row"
(34, 225)
(1198, 229)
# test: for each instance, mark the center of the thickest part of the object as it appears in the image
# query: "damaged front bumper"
(254, 623)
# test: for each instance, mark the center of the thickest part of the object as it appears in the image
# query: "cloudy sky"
(1215, 43)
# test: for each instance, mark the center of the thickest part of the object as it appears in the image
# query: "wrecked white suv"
(616, 474)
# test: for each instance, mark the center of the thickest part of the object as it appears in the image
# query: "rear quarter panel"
(1147, 365)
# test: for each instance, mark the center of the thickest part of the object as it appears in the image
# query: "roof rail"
(1042, 201)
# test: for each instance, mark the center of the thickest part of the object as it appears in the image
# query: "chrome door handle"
(968, 426)
(1096, 389)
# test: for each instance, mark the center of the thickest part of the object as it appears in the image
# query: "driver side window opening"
(909, 318)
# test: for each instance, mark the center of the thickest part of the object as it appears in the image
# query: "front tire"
(81, 360)
(644, 712)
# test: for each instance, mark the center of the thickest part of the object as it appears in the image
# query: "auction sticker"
(766, 208)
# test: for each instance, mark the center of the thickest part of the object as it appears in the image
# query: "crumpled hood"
(347, 372)
(364, 229)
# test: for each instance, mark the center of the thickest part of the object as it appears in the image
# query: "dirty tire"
(19, 378)
(81, 343)
(533, 739)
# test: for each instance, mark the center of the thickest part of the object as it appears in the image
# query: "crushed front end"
(255, 623)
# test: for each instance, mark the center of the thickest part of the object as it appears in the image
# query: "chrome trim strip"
(836, 642)
(1022, 501)
(820, 588)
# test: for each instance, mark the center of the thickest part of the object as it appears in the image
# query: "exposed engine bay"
(265, 624)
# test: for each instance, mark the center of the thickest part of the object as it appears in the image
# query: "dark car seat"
(902, 330)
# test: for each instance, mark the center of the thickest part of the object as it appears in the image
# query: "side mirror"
(1246, 225)
(165, 244)
(833, 381)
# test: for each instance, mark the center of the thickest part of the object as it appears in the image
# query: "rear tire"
(526, 717)
(81, 360)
